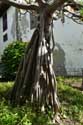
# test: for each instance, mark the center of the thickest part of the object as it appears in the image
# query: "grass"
(71, 100)
(20, 115)
(23, 115)
(71, 107)
(4, 88)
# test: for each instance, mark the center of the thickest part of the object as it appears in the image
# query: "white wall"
(69, 42)
(10, 31)
(25, 30)
(68, 38)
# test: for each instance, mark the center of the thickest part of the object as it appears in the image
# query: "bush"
(11, 58)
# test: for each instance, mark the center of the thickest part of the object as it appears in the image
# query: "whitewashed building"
(68, 54)
(11, 29)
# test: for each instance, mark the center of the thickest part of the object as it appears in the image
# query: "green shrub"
(11, 58)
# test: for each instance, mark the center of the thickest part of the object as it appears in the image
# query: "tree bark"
(35, 80)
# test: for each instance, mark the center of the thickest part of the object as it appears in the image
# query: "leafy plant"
(11, 58)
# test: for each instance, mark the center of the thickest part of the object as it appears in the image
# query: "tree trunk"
(35, 80)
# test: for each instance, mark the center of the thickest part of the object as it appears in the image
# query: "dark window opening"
(5, 37)
(4, 21)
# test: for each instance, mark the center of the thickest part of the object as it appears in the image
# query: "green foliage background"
(11, 58)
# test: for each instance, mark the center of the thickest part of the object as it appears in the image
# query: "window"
(5, 21)
(5, 37)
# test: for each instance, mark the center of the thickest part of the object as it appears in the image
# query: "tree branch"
(74, 5)
(78, 22)
(56, 4)
(21, 6)
(40, 2)
(73, 14)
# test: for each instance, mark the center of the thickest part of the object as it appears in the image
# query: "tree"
(35, 79)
